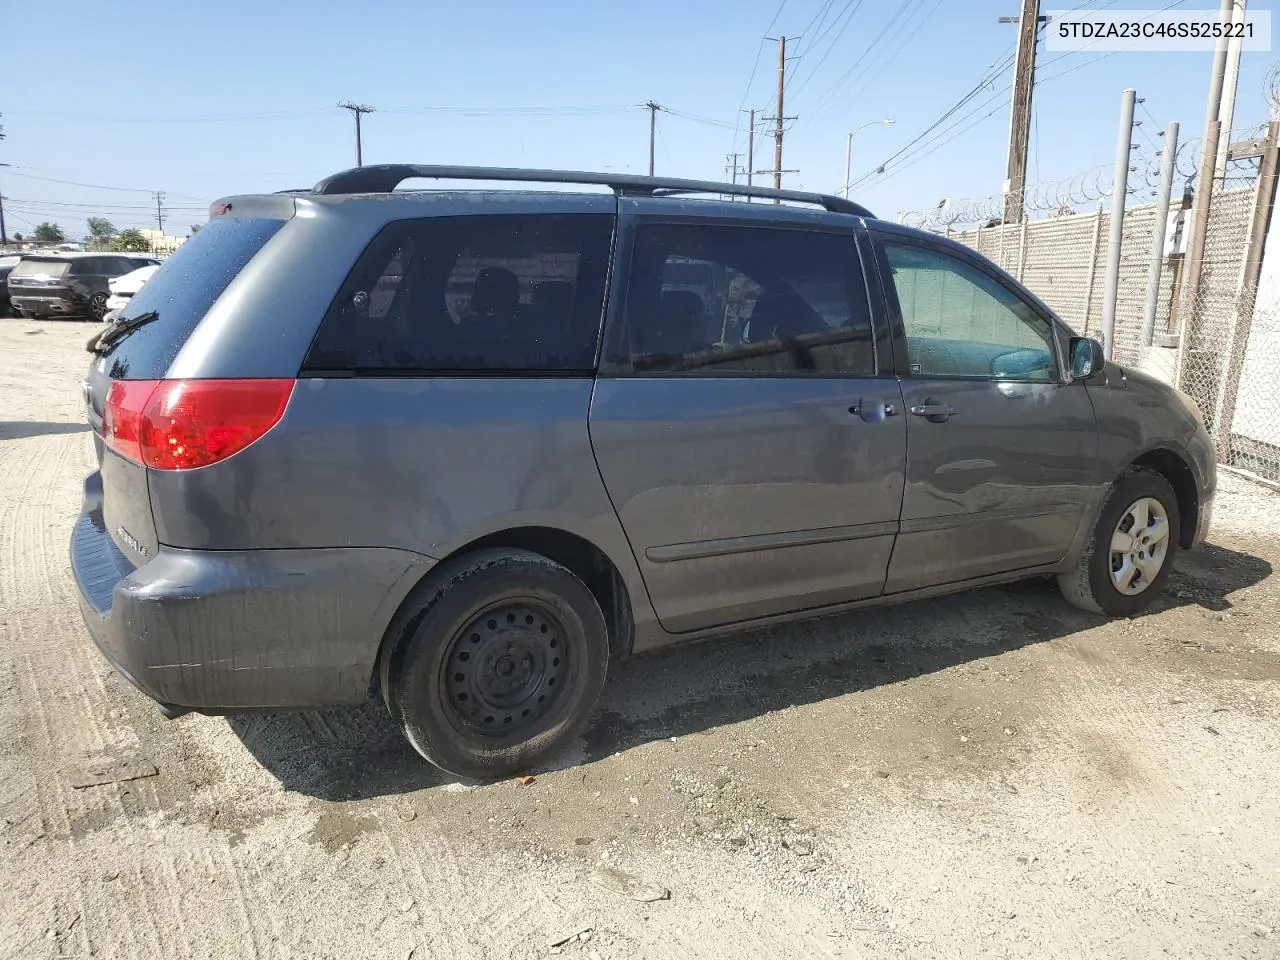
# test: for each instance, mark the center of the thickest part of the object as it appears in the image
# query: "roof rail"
(383, 178)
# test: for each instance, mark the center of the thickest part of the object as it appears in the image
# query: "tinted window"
(962, 322)
(93, 266)
(182, 291)
(711, 300)
(472, 294)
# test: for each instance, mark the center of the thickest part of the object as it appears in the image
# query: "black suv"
(67, 284)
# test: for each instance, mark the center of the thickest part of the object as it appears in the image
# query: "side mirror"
(1087, 357)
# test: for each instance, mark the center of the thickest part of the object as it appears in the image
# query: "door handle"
(873, 411)
(934, 411)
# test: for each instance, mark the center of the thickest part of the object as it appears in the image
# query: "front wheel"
(497, 663)
(1131, 548)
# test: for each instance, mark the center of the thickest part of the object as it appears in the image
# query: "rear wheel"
(497, 663)
(1131, 548)
(98, 306)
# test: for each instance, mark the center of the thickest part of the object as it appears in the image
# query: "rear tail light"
(184, 424)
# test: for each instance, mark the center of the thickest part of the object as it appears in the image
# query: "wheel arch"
(572, 551)
(1176, 468)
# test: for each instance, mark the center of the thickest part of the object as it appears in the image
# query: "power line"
(72, 183)
(756, 66)
(1061, 73)
(194, 118)
(826, 98)
(868, 75)
(695, 118)
(848, 13)
(985, 82)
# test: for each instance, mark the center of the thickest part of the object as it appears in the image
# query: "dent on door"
(998, 484)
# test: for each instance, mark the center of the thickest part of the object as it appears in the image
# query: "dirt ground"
(988, 775)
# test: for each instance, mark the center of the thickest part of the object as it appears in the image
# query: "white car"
(123, 288)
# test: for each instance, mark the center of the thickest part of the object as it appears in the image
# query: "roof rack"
(383, 178)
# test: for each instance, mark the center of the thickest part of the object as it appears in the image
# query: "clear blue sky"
(202, 100)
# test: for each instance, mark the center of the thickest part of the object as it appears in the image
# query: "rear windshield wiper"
(116, 332)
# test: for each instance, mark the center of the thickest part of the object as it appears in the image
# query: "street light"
(848, 150)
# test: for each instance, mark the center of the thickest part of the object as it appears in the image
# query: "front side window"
(714, 300)
(509, 293)
(961, 322)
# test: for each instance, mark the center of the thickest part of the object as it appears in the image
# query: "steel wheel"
(1139, 546)
(507, 669)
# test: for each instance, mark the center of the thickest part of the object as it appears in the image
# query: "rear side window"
(181, 293)
(717, 300)
(512, 293)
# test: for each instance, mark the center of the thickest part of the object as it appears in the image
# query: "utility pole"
(1024, 80)
(778, 119)
(1189, 295)
(159, 197)
(751, 148)
(357, 109)
(4, 237)
(1238, 333)
(1158, 233)
(777, 131)
(1115, 236)
(1227, 108)
(731, 166)
(653, 109)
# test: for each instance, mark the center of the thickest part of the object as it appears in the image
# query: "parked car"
(466, 449)
(67, 284)
(121, 289)
(7, 263)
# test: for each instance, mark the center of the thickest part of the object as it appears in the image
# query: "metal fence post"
(1022, 250)
(1158, 230)
(1193, 263)
(1093, 268)
(1246, 295)
(1115, 236)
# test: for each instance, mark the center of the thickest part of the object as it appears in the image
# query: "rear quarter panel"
(421, 464)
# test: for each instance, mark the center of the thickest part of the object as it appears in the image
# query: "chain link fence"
(1251, 390)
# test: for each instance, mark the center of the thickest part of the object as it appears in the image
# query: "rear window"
(182, 292)
(35, 267)
(513, 293)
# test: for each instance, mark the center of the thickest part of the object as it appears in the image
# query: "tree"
(50, 233)
(128, 241)
(100, 231)
(195, 228)
(17, 237)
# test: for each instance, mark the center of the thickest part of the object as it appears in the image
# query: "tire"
(1097, 584)
(477, 654)
(97, 307)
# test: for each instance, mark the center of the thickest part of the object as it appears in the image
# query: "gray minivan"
(466, 448)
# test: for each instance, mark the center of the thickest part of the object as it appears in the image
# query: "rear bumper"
(47, 305)
(237, 630)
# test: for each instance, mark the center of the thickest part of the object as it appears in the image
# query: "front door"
(752, 451)
(1001, 446)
